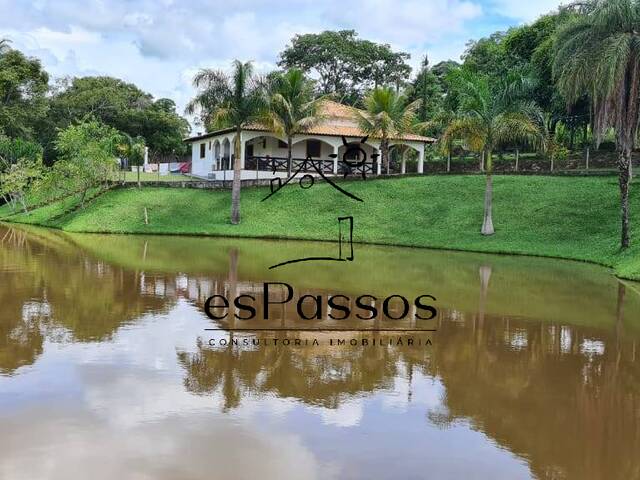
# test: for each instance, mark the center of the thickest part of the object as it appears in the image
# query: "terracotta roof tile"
(339, 120)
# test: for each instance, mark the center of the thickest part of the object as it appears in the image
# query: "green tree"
(387, 114)
(120, 105)
(428, 90)
(23, 88)
(489, 115)
(20, 167)
(292, 106)
(87, 155)
(230, 101)
(488, 56)
(346, 65)
(598, 52)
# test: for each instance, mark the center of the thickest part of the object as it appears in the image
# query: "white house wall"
(329, 145)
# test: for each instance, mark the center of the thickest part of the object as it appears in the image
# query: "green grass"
(574, 218)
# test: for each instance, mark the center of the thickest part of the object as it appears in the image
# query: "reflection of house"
(262, 150)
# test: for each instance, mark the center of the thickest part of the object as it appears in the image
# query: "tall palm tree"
(234, 100)
(489, 116)
(292, 106)
(598, 52)
(387, 114)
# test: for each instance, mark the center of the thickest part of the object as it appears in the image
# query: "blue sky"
(160, 44)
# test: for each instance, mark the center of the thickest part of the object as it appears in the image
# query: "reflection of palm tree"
(485, 276)
(291, 372)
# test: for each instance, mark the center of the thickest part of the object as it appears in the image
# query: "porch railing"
(280, 164)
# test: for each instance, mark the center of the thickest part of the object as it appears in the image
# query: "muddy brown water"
(107, 371)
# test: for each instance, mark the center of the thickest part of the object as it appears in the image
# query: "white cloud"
(159, 45)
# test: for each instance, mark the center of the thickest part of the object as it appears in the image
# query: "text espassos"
(217, 306)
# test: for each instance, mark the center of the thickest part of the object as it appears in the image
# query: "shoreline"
(579, 234)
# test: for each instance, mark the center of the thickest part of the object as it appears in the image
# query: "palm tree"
(292, 107)
(235, 101)
(598, 52)
(387, 114)
(489, 116)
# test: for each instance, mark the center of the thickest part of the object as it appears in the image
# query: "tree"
(599, 52)
(346, 65)
(87, 155)
(230, 101)
(162, 129)
(427, 89)
(488, 56)
(489, 115)
(387, 114)
(120, 105)
(23, 86)
(20, 166)
(292, 106)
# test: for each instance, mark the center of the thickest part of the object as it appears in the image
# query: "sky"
(159, 44)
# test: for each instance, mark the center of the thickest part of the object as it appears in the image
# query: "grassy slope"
(573, 218)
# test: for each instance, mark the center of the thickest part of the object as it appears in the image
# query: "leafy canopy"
(598, 53)
(23, 88)
(346, 65)
(493, 114)
(226, 100)
(292, 106)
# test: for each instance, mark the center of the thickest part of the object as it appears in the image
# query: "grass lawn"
(575, 218)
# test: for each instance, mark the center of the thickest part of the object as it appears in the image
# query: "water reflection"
(533, 370)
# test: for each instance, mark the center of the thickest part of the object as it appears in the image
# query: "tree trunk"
(384, 146)
(624, 160)
(235, 185)
(24, 204)
(289, 155)
(449, 162)
(487, 223)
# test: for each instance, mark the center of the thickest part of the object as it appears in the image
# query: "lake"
(110, 368)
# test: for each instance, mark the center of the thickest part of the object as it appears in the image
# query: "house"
(264, 154)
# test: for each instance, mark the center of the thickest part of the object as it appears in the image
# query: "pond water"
(107, 371)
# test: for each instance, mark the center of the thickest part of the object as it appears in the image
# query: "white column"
(335, 160)
(146, 159)
(378, 162)
(403, 166)
(421, 160)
